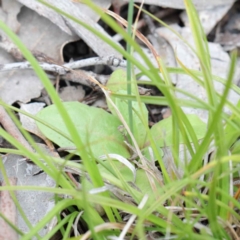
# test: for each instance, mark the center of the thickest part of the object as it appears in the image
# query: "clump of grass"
(198, 205)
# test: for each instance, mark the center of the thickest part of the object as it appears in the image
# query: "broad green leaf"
(97, 129)
(106, 167)
(118, 84)
(118, 81)
(141, 183)
(162, 131)
(151, 157)
(231, 134)
(235, 149)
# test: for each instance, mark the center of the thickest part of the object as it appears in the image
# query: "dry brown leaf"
(81, 12)
(45, 37)
(28, 123)
(229, 40)
(209, 17)
(35, 204)
(220, 61)
(10, 9)
(72, 93)
(18, 85)
(179, 4)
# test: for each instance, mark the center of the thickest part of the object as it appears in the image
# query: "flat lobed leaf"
(106, 167)
(162, 131)
(141, 183)
(118, 81)
(97, 129)
(118, 84)
(231, 133)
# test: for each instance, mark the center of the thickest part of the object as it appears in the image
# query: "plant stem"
(129, 65)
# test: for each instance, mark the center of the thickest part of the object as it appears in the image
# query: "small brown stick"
(8, 209)
(73, 179)
(57, 83)
(66, 71)
(11, 128)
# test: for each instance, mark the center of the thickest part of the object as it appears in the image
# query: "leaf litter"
(49, 34)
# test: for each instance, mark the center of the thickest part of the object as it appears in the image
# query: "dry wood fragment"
(11, 128)
(8, 209)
